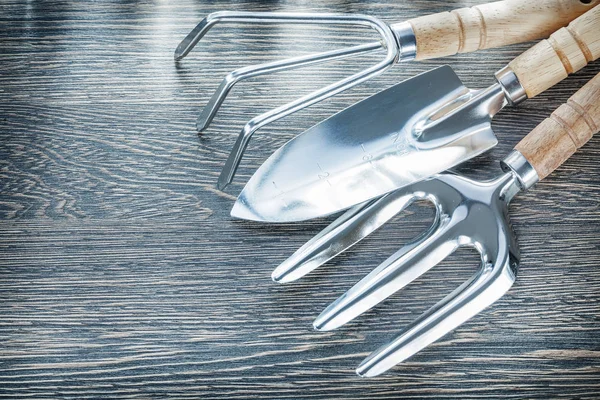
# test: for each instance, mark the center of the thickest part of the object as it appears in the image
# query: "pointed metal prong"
(483, 289)
(349, 229)
(393, 274)
(192, 38)
(210, 109)
(235, 156)
(188, 43)
(392, 53)
(222, 185)
(217, 99)
(321, 248)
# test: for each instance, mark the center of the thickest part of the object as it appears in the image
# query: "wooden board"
(122, 274)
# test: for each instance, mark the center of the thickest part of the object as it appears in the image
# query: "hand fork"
(463, 30)
(470, 213)
(548, 62)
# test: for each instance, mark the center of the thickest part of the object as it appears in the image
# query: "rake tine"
(384, 30)
(217, 99)
(200, 30)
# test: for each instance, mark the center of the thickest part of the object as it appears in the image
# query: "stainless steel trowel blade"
(396, 137)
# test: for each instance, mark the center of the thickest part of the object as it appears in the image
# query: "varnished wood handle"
(568, 128)
(566, 51)
(493, 25)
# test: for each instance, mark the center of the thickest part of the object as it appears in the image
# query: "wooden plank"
(122, 274)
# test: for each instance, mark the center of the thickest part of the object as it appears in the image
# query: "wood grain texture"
(122, 275)
(566, 51)
(491, 25)
(569, 127)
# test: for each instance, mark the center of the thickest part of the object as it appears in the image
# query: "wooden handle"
(493, 25)
(569, 127)
(566, 51)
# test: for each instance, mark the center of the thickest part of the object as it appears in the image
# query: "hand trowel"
(406, 133)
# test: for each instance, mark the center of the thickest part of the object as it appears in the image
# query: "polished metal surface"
(347, 230)
(401, 135)
(397, 44)
(407, 41)
(469, 213)
(523, 170)
(514, 91)
(363, 219)
(210, 110)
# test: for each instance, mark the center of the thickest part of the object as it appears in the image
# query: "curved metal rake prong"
(258, 122)
(389, 41)
(210, 110)
(200, 30)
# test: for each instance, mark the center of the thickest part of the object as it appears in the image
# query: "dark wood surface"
(122, 274)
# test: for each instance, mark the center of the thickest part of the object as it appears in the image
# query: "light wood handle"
(569, 127)
(566, 51)
(493, 25)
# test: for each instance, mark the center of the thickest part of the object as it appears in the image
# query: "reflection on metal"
(397, 40)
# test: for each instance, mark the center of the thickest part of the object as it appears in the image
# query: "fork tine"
(217, 99)
(343, 233)
(321, 248)
(406, 265)
(479, 292)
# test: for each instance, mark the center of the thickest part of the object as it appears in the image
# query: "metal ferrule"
(516, 163)
(406, 39)
(514, 92)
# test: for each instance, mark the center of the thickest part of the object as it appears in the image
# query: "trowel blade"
(371, 148)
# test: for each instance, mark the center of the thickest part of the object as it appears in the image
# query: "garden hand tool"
(470, 214)
(361, 220)
(463, 30)
(406, 133)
